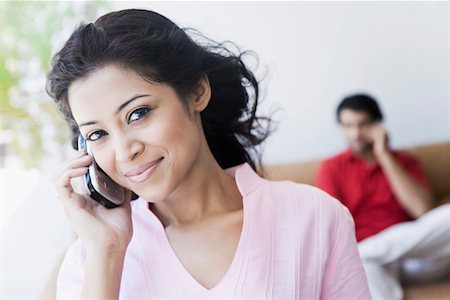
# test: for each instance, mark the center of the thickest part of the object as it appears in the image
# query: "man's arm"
(412, 195)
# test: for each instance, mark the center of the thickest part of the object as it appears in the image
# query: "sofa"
(435, 160)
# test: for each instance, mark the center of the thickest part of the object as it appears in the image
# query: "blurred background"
(310, 55)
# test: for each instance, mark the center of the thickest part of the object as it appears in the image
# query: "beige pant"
(416, 251)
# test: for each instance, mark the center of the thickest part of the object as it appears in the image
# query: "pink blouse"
(297, 242)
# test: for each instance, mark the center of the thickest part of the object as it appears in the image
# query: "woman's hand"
(100, 229)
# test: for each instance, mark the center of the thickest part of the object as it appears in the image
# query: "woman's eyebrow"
(87, 123)
(122, 106)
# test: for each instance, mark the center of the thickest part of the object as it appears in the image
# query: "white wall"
(314, 53)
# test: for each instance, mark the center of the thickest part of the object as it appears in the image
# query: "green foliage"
(28, 31)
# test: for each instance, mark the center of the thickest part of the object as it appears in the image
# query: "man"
(381, 187)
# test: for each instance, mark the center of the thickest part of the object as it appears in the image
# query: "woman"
(173, 121)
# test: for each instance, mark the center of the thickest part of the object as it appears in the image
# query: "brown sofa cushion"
(435, 160)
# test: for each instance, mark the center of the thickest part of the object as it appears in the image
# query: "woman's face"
(141, 134)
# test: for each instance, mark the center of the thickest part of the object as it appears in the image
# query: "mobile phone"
(99, 186)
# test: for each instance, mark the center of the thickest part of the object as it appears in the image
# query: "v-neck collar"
(247, 181)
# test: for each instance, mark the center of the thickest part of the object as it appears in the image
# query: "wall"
(311, 54)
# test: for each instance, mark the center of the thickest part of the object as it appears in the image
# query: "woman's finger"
(62, 184)
(81, 159)
(77, 162)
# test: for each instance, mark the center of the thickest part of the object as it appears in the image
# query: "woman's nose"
(127, 148)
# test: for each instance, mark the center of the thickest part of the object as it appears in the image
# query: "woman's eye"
(96, 135)
(138, 114)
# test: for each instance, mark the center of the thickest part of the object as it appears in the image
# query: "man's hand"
(380, 140)
(412, 196)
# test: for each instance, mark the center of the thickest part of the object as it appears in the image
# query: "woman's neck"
(208, 191)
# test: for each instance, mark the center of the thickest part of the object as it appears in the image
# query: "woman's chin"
(152, 197)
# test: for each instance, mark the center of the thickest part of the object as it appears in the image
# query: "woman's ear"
(202, 95)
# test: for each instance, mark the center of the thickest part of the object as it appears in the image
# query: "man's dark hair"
(361, 102)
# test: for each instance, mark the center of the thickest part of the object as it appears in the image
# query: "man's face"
(356, 127)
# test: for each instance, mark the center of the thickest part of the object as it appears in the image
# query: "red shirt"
(365, 190)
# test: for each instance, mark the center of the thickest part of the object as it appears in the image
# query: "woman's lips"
(142, 173)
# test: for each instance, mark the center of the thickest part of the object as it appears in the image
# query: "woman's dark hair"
(159, 51)
(361, 102)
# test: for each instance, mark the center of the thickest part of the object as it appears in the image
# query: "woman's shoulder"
(305, 200)
(306, 212)
(300, 192)
(287, 194)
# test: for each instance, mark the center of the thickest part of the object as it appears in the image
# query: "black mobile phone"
(98, 185)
